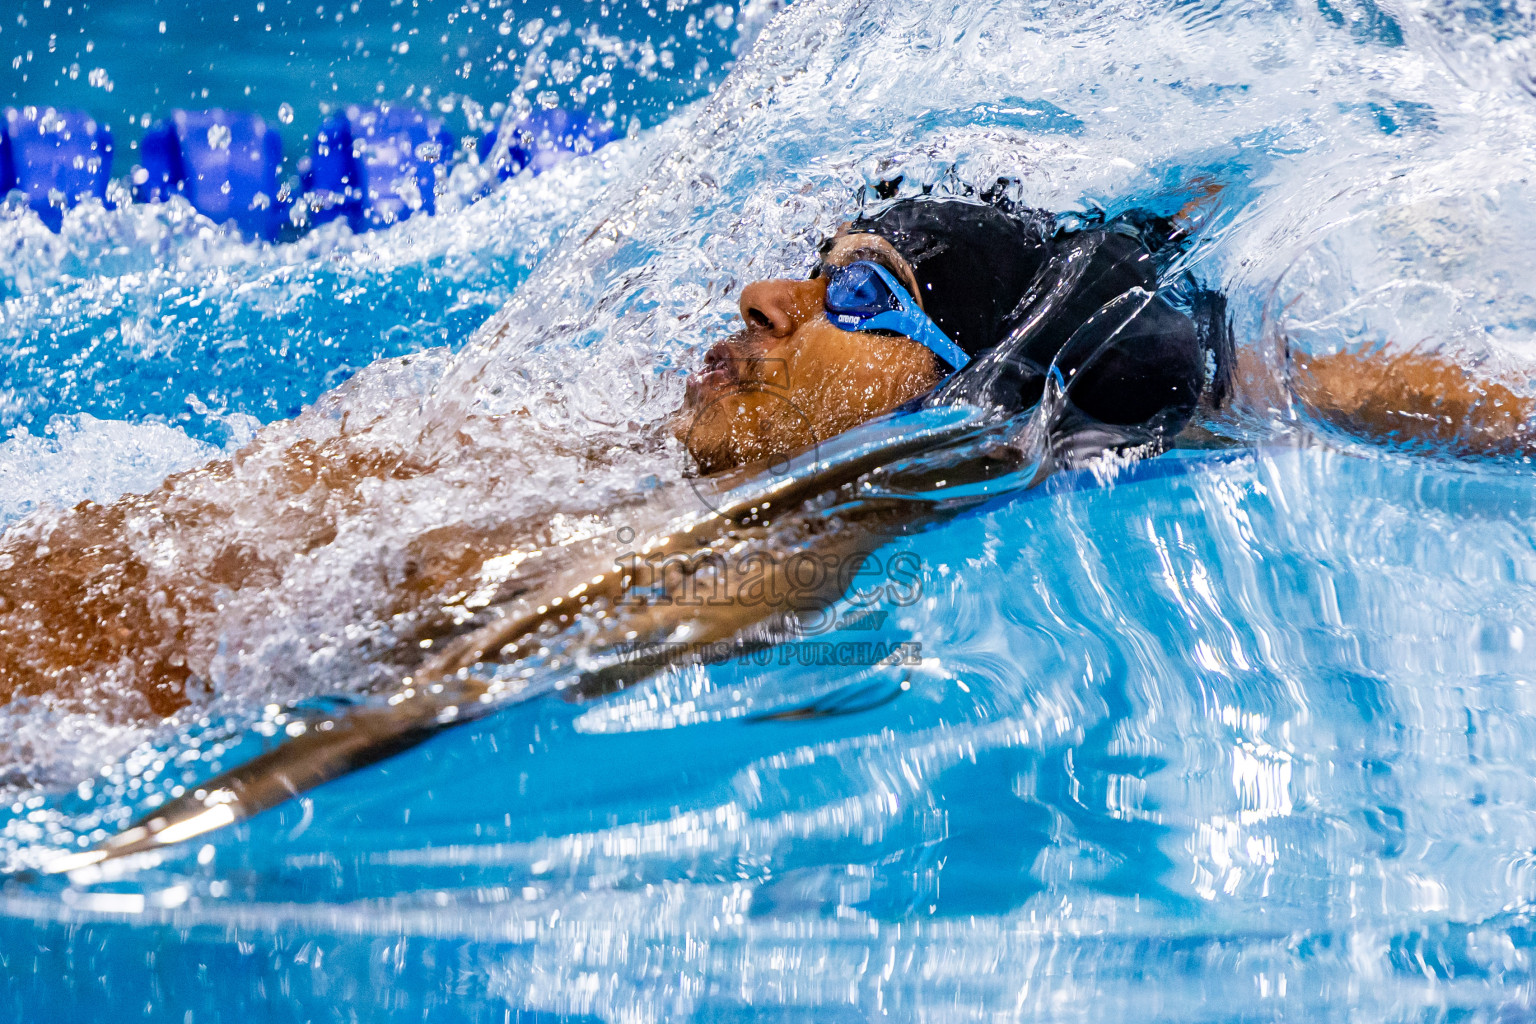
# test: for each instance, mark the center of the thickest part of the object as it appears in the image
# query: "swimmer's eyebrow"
(854, 255)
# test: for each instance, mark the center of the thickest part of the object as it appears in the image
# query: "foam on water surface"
(1245, 737)
(82, 458)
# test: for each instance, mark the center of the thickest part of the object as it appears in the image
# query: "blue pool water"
(1239, 734)
(1190, 768)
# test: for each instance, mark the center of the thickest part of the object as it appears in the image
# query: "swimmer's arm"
(1416, 397)
(101, 600)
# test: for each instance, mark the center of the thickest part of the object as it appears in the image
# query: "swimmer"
(116, 608)
(925, 306)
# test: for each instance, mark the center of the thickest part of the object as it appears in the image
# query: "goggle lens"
(856, 290)
(862, 297)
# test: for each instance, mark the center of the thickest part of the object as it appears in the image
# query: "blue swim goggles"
(864, 296)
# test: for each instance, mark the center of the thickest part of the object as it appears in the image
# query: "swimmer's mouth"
(721, 371)
(707, 381)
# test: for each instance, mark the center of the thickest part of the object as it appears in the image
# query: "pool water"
(1246, 738)
(141, 316)
(1231, 734)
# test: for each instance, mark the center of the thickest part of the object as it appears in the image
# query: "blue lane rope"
(372, 165)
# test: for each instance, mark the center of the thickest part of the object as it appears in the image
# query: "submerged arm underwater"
(848, 497)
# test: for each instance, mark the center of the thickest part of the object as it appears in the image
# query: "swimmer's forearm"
(1416, 397)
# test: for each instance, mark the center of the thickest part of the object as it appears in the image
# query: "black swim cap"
(979, 275)
(973, 261)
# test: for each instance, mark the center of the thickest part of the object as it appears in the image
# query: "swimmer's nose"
(779, 307)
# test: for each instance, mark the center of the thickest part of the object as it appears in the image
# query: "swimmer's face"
(791, 378)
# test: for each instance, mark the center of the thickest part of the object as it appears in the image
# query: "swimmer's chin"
(720, 435)
(710, 454)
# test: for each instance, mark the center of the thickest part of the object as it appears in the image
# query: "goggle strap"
(936, 341)
(909, 319)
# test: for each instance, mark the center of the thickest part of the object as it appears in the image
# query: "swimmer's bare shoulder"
(114, 607)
